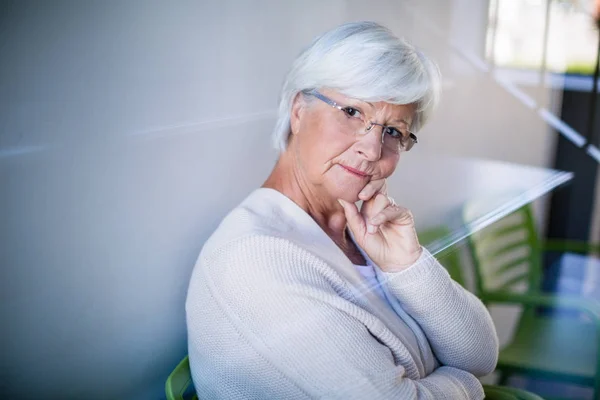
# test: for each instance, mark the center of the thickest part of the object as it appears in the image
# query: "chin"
(345, 193)
(350, 197)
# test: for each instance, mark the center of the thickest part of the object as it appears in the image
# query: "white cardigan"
(275, 310)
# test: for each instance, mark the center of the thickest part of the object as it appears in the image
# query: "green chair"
(449, 257)
(179, 385)
(507, 257)
(493, 392)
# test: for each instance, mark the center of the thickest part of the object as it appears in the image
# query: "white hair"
(366, 61)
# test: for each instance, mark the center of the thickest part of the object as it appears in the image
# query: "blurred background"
(128, 129)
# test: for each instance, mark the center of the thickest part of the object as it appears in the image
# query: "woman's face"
(333, 159)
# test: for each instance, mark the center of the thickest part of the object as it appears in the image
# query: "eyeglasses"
(394, 139)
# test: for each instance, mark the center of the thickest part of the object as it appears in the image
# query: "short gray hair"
(366, 61)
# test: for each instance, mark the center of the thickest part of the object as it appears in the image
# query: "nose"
(369, 144)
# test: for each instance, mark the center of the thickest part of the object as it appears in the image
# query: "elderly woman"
(299, 293)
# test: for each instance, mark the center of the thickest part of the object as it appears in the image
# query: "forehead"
(394, 112)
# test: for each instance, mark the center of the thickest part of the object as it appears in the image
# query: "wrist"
(402, 265)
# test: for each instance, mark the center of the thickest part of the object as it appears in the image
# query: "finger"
(394, 214)
(374, 206)
(355, 221)
(372, 188)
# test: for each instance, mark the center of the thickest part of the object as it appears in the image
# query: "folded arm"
(284, 303)
(457, 324)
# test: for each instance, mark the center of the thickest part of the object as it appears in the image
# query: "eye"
(352, 112)
(394, 133)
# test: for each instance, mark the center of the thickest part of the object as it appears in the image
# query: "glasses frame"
(368, 124)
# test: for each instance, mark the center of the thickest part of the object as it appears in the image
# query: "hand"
(372, 188)
(385, 231)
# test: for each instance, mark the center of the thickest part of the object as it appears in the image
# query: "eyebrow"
(403, 120)
(394, 121)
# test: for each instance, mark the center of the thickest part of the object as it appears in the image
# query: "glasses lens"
(350, 124)
(396, 141)
(408, 143)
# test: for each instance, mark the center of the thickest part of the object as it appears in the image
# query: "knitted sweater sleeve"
(457, 324)
(285, 304)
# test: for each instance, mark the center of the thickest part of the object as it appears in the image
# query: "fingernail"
(341, 202)
(371, 228)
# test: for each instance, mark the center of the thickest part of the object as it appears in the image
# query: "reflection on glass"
(545, 53)
(553, 35)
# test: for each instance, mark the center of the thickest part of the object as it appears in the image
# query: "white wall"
(129, 128)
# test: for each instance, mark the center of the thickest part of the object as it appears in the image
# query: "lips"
(355, 171)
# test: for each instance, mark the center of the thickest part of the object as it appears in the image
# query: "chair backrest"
(179, 385)
(506, 254)
(450, 257)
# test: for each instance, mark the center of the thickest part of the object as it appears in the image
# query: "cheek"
(321, 143)
(388, 165)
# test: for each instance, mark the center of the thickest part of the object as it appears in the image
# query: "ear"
(298, 108)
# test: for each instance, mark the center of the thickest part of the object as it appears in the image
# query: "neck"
(287, 179)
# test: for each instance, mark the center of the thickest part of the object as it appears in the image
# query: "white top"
(276, 310)
(373, 285)
(368, 272)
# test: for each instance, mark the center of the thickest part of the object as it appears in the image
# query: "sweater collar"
(293, 223)
(299, 225)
